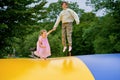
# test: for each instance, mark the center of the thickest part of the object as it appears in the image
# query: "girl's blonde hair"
(41, 31)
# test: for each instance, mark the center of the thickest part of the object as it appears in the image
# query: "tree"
(108, 39)
(15, 16)
(84, 34)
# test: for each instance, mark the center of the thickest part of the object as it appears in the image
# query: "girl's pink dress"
(43, 52)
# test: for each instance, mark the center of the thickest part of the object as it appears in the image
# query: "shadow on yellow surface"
(68, 68)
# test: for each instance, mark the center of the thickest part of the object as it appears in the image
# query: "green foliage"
(56, 46)
(29, 42)
(107, 39)
(15, 19)
(84, 34)
(102, 45)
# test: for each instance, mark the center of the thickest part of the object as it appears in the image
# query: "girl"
(43, 47)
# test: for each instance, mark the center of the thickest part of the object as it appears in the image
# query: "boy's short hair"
(64, 2)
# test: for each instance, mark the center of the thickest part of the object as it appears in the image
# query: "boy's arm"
(74, 14)
(57, 22)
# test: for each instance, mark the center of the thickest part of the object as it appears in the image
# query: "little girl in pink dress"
(43, 47)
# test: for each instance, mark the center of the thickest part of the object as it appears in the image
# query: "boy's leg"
(69, 35)
(64, 37)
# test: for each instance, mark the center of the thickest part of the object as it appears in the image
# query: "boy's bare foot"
(70, 48)
(64, 49)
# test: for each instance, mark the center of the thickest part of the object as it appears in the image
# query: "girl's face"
(44, 34)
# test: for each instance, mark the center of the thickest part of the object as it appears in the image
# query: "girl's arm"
(50, 31)
(40, 43)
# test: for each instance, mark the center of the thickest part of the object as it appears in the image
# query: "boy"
(67, 16)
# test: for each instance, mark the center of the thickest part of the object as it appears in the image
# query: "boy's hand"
(54, 28)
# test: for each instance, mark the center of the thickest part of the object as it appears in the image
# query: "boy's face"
(64, 5)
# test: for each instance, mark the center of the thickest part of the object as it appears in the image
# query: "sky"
(81, 4)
